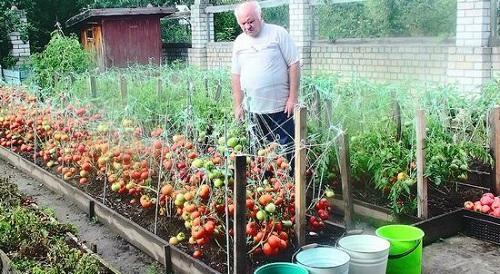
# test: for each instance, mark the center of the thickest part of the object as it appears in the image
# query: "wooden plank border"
(6, 264)
(363, 209)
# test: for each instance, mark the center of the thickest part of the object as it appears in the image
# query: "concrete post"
(20, 49)
(300, 14)
(201, 33)
(469, 62)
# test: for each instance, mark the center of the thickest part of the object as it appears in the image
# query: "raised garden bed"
(175, 259)
(470, 223)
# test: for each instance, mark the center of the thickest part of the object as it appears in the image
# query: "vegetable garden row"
(158, 146)
(33, 241)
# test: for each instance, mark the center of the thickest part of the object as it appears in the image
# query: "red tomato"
(267, 249)
(197, 253)
(283, 244)
(274, 241)
(209, 227)
(251, 229)
(250, 204)
(323, 214)
(198, 232)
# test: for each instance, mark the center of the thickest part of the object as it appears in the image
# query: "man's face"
(249, 21)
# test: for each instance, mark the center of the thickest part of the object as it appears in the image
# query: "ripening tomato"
(251, 229)
(267, 249)
(197, 254)
(274, 241)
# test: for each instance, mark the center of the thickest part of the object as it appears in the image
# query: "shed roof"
(93, 13)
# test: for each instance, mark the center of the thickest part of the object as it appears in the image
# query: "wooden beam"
(494, 120)
(240, 211)
(300, 174)
(333, 2)
(421, 180)
(345, 173)
(263, 4)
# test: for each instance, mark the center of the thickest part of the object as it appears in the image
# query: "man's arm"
(237, 96)
(294, 77)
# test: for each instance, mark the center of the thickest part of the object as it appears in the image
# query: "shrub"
(62, 57)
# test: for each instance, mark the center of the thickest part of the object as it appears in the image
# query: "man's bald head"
(249, 17)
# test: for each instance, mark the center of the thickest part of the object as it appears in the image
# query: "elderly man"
(265, 75)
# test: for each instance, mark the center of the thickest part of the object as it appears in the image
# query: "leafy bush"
(63, 56)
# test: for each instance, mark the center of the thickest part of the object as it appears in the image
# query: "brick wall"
(389, 59)
(175, 52)
(384, 59)
(219, 54)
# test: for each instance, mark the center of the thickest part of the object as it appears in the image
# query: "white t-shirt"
(262, 63)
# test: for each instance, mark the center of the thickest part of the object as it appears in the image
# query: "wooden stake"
(218, 91)
(396, 109)
(494, 121)
(300, 174)
(93, 86)
(345, 173)
(240, 211)
(123, 89)
(328, 111)
(421, 180)
(206, 87)
(317, 102)
(158, 88)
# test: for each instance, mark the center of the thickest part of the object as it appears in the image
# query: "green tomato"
(209, 165)
(197, 163)
(238, 148)
(261, 215)
(287, 223)
(271, 208)
(115, 187)
(329, 193)
(218, 182)
(232, 142)
(181, 236)
(180, 198)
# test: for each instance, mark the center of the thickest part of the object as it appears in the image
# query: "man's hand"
(239, 113)
(290, 106)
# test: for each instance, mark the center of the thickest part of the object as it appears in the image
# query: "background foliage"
(384, 18)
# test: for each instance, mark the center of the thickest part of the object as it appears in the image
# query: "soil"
(111, 247)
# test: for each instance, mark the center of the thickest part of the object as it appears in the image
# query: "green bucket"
(281, 268)
(405, 253)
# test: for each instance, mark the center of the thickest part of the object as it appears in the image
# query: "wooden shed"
(122, 36)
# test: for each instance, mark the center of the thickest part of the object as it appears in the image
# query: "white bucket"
(322, 259)
(368, 253)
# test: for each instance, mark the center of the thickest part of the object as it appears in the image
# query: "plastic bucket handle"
(406, 253)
